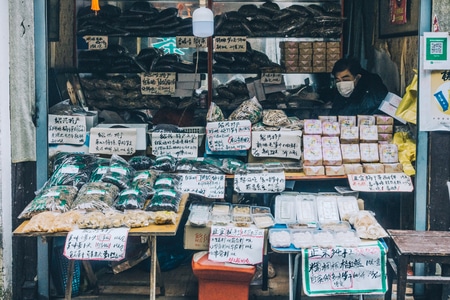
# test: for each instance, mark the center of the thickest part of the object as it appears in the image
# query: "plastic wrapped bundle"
(56, 198)
(96, 196)
(165, 200)
(119, 173)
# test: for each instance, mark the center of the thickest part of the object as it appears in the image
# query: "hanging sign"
(285, 144)
(437, 51)
(384, 182)
(359, 270)
(238, 245)
(66, 129)
(206, 185)
(176, 144)
(96, 244)
(120, 141)
(260, 182)
(96, 42)
(158, 83)
(191, 42)
(229, 135)
(230, 44)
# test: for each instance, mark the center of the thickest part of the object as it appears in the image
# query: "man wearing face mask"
(359, 92)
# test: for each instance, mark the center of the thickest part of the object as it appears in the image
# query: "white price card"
(121, 141)
(176, 144)
(96, 244)
(191, 42)
(158, 83)
(96, 42)
(237, 245)
(229, 135)
(260, 182)
(230, 44)
(206, 185)
(66, 129)
(384, 182)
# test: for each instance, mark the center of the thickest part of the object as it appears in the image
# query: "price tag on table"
(229, 135)
(158, 83)
(96, 42)
(66, 129)
(191, 42)
(384, 182)
(238, 245)
(260, 182)
(230, 44)
(96, 244)
(206, 185)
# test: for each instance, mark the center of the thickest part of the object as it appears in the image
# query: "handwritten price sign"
(385, 182)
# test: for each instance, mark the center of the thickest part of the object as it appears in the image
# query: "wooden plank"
(126, 290)
(434, 279)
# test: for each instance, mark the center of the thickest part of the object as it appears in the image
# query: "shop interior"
(109, 82)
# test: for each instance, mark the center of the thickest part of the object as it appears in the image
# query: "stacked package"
(309, 57)
(341, 145)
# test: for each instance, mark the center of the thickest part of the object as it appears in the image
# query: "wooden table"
(151, 231)
(409, 246)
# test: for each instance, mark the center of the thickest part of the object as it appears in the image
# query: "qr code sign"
(436, 48)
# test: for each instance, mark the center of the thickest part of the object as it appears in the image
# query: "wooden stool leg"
(70, 271)
(402, 276)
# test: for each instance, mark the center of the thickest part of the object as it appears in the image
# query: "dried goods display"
(133, 198)
(72, 169)
(41, 222)
(119, 172)
(96, 196)
(55, 198)
(137, 218)
(164, 200)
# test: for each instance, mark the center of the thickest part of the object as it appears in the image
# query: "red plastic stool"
(221, 281)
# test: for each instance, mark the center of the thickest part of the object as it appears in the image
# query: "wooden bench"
(410, 246)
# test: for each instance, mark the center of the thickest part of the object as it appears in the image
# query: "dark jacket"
(365, 99)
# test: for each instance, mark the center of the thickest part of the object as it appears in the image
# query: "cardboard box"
(305, 45)
(196, 238)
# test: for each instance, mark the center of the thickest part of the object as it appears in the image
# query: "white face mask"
(345, 88)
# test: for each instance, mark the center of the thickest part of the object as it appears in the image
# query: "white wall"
(5, 152)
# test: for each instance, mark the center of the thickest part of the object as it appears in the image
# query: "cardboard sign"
(96, 244)
(359, 270)
(229, 135)
(271, 78)
(191, 42)
(180, 145)
(230, 44)
(96, 42)
(384, 182)
(158, 83)
(238, 245)
(120, 141)
(206, 185)
(286, 144)
(259, 183)
(66, 129)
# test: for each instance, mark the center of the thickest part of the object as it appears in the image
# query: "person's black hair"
(350, 64)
